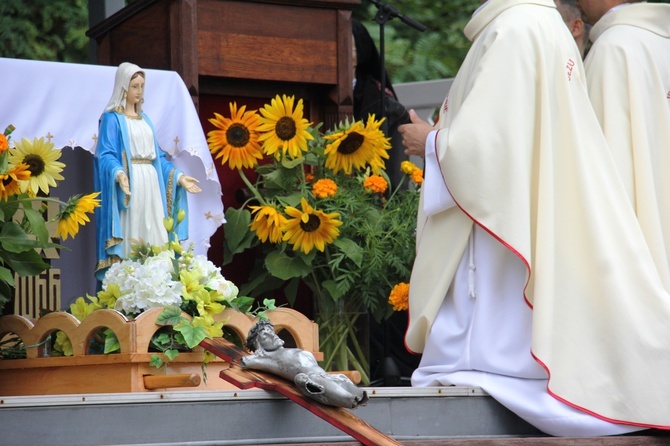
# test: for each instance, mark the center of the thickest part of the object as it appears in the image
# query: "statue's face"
(135, 90)
(268, 339)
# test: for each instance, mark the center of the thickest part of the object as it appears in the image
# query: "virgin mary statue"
(139, 186)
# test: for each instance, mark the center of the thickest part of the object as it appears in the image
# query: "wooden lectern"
(246, 51)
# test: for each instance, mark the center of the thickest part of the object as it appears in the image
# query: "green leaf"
(350, 249)
(6, 275)
(37, 224)
(171, 353)
(171, 315)
(156, 361)
(291, 163)
(14, 239)
(112, 343)
(192, 335)
(242, 303)
(27, 263)
(236, 230)
(291, 290)
(332, 288)
(284, 267)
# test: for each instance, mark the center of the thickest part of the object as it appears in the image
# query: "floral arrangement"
(321, 212)
(170, 277)
(28, 168)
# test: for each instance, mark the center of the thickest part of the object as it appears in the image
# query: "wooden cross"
(248, 379)
(49, 136)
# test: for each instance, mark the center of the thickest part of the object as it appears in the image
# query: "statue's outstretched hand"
(190, 184)
(124, 184)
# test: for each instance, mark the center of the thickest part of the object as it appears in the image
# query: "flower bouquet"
(28, 168)
(322, 213)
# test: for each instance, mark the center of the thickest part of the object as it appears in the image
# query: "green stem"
(251, 187)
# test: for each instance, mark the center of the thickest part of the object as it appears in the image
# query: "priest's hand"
(190, 184)
(414, 135)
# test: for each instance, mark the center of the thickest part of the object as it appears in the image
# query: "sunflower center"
(237, 135)
(285, 128)
(35, 164)
(312, 224)
(351, 143)
(7, 181)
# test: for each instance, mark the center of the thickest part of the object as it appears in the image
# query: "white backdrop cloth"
(64, 102)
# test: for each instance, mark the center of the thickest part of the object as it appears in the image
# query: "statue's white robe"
(628, 77)
(521, 153)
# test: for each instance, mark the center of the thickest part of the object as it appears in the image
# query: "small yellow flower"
(181, 215)
(408, 167)
(310, 228)
(168, 223)
(74, 213)
(80, 308)
(417, 176)
(399, 297)
(267, 223)
(376, 184)
(324, 187)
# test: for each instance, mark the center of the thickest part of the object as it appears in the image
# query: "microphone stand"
(384, 14)
(390, 372)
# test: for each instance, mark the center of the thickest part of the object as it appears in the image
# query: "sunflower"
(324, 188)
(399, 297)
(74, 213)
(283, 129)
(10, 182)
(356, 146)
(310, 228)
(236, 141)
(375, 184)
(41, 159)
(267, 223)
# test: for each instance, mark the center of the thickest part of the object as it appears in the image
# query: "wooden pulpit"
(246, 51)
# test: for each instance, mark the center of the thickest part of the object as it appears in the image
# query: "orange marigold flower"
(309, 177)
(417, 176)
(376, 184)
(399, 297)
(408, 167)
(324, 188)
(4, 143)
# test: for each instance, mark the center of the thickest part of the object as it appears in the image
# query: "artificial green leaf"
(192, 335)
(242, 303)
(284, 267)
(350, 249)
(171, 353)
(171, 315)
(156, 361)
(112, 343)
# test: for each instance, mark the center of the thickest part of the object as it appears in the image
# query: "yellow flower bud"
(176, 247)
(168, 223)
(181, 215)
